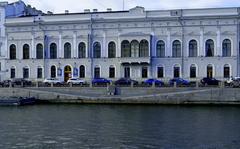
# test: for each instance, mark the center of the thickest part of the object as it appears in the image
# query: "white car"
(231, 79)
(76, 81)
(52, 80)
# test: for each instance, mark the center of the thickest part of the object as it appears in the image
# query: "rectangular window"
(226, 72)
(193, 72)
(111, 72)
(39, 73)
(12, 73)
(127, 72)
(25, 73)
(176, 72)
(97, 72)
(144, 72)
(160, 72)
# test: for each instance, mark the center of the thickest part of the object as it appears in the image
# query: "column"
(74, 53)
(201, 49)
(118, 52)
(59, 52)
(152, 45)
(104, 50)
(168, 50)
(6, 48)
(218, 50)
(33, 51)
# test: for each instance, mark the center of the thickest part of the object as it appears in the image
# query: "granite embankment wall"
(199, 96)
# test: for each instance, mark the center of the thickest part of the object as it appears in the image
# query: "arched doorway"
(209, 71)
(67, 73)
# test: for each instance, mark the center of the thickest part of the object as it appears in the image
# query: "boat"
(17, 101)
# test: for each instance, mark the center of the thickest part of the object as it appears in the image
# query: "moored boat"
(17, 101)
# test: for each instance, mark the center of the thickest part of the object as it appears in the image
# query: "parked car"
(76, 81)
(125, 81)
(210, 81)
(231, 79)
(97, 81)
(179, 81)
(151, 81)
(5, 83)
(56, 81)
(21, 81)
(235, 82)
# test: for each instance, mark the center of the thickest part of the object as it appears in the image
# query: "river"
(120, 126)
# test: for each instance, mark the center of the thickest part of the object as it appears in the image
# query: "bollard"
(132, 84)
(10, 84)
(22, 84)
(154, 84)
(197, 84)
(71, 85)
(90, 84)
(37, 84)
(175, 84)
(51, 84)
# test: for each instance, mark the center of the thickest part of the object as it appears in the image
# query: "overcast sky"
(59, 6)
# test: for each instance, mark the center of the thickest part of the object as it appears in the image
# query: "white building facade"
(190, 43)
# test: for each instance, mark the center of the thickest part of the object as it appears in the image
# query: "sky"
(59, 6)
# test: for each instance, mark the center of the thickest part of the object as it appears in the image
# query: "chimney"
(49, 12)
(95, 10)
(86, 10)
(109, 9)
(66, 11)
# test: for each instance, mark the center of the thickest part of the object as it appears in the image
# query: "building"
(188, 43)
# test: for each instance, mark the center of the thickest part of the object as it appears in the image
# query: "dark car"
(125, 81)
(96, 81)
(179, 81)
(5, 83)
(21, 81)
(210, 81)
(151, 81)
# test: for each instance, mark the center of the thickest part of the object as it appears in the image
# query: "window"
(67, 50)
(193, 48)
(39, 52)
(96, 72)
(176, 49)
(209, 71)
(160, 72)
(12, 51)
(176, 71)
(26, 51)
(226, 48)
(111, 72)
(53, 51)
(226, 71)
(82, 71)
(81, 50)
(144, 72)
(193, 71)
(134, 48)
(39, 73)
(127, 72)
(53, 72)
(111, 50)
(125, 49)
(143, 48)
(25, 72)
(13, 74)
(96, 50)
(160, 49)
(209, 48)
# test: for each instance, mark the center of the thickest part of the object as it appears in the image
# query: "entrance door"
(67, 73)
(127, 72)
(209, 71)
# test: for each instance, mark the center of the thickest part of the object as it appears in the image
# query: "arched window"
(25, 72)
(97, 72)
(111, 72)
(39, 51)
(176, 71)
(67, 50)
(111, 50)
(193, 71)
(12, 52)
(209, 48)
(143, 48)
(82, 71)
(125, 49)
(209, 71)
(160, 49)
(53, 71)
(53, 51)
(226, 48)
(26, 51)
(176, 48)
(81, 50)
(226, 71)
(193, 48)
(134, 48)
(96, 50)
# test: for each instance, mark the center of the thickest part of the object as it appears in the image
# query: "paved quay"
(139, 95)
